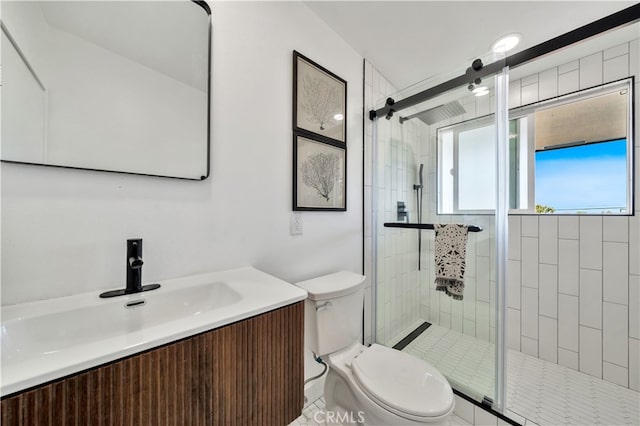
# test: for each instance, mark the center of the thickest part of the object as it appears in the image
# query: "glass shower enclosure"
(468, 149)
(429, 169)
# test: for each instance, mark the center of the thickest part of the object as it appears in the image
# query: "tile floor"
(542, 392)
(310, 417)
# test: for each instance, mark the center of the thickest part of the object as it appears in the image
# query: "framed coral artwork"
(319, 101)
(319, 178)
(319, 137)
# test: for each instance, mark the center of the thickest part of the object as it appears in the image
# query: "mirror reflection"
(117, 86)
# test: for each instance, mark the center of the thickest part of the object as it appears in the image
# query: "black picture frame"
(319, 137)
(319, 101)
(319, 175)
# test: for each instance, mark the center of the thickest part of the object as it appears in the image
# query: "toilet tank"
(333, 311)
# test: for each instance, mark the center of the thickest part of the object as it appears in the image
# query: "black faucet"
(134, 272)
(134, 266)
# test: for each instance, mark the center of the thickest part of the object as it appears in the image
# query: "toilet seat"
(403, 384)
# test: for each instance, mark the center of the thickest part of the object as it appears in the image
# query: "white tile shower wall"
(586, 312)
(400, 298)
(475, 315)
(73, 224)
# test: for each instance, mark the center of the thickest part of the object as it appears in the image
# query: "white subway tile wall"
(402, 295)
(597, 257)
(590, 351)
(568, 322)
(548, 339)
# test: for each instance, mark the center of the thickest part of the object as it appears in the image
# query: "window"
(568, 155)
(467, 167)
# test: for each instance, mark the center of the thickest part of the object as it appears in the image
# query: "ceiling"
(410, 41)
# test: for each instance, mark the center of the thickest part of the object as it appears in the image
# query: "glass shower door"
(437, 163)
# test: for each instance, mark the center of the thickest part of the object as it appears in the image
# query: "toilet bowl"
(372, 385)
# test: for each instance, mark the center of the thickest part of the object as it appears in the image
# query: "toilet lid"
(402, 383)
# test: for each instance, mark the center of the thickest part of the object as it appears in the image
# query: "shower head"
(437, 114)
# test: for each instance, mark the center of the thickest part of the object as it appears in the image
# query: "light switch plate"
(296, 224)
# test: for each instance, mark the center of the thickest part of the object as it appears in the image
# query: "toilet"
(372, 385)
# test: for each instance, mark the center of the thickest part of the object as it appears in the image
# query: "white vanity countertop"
(50, 339)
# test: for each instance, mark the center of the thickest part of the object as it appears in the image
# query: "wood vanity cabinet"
(247, 373)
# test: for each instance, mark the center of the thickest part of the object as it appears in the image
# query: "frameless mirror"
(119, 86)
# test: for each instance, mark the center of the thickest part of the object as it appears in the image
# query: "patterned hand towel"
(451, 249)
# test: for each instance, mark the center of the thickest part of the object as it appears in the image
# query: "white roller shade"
(598, 118)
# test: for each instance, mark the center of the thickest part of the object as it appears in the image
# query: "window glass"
(588, 178)
(568, 155)
(477, 169)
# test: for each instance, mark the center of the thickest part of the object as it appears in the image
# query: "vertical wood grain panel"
(82, 400)
(217, 373)
(163, 391)
(70, 405)
(116, 402)
(172, 393)
(30, 408)
(58, 401)
(247, 373)
(11, 411)
(126, 390)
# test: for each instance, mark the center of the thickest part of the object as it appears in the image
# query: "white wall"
(64, 231)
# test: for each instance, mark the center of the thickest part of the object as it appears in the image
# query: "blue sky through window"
(588, 177)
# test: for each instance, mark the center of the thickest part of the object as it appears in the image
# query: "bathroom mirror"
(120, 86)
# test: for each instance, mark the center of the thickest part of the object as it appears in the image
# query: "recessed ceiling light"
(506, 43)
(482, 93)
(480, 89)
(338, 117)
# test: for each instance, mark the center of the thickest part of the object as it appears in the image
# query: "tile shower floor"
(542, 392)
(309, 416)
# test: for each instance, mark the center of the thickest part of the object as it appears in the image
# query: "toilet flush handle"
(325, 305)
